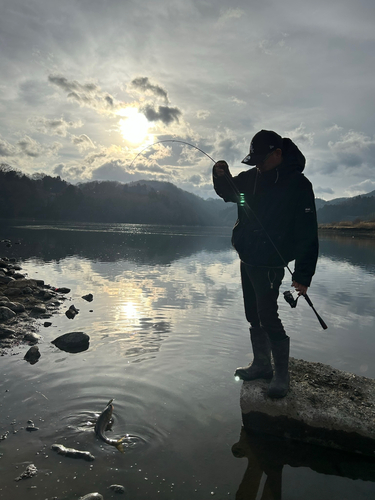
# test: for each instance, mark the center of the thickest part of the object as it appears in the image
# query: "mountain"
(348, 209)
(143, 202)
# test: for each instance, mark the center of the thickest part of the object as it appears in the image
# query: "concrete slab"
(324, 406)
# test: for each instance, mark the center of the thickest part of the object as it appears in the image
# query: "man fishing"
(276, 224)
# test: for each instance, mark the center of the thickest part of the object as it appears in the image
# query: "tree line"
(45, 197)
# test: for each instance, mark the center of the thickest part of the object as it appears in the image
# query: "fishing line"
(171, 140)
(247, 207)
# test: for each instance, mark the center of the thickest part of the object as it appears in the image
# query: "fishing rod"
(171, 140)
(247, 207)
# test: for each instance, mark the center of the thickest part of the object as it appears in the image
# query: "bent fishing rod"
(242, 202)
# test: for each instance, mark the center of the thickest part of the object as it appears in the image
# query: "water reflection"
(111, 243)
(268, 455)
(167, 330)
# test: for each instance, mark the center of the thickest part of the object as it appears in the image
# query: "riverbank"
(363, 228)
(23, 301)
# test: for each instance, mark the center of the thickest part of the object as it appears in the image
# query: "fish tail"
(120, 445)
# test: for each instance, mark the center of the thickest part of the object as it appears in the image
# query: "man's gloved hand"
(220, 168)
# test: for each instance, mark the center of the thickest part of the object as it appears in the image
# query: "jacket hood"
(293, 159)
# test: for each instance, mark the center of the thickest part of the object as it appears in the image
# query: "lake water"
(167, 331)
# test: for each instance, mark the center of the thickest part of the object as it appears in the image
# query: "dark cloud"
(143, 84)
(87, 94)
(165, 114)
(195, 179)
(71, 86)
(228, 148)
(151, 168)
(114, 171)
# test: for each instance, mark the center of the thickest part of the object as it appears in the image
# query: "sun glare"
(134, 126)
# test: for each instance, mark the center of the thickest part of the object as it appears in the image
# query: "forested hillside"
(144, 202)
(51, 198)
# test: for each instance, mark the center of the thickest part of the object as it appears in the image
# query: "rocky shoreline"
(23, 301)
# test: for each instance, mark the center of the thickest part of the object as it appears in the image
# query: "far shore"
(362, 228)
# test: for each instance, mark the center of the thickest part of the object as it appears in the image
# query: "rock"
(92, 496)
(18, 276)
(62, 290)
(32, 355)
(27, 290)
(32, 337)
(14, 306)
(6, 313)
(46, 324)
(89, 297)
(39, 309)
(117, 488)
(31, 426)
(6, 332)
(6, 279)
(324, 406)
(71, 312)
(30, 471)
(72, 453)
(72, 342)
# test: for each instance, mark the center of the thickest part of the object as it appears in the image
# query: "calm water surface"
(167, 330)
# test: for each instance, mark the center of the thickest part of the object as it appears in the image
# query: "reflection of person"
(276, 224)
(260, 461)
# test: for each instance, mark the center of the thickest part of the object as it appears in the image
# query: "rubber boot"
(279, 385)
(261, 366)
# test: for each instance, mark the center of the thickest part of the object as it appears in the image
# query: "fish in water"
(101, 425)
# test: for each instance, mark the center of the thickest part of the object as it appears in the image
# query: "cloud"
(87, 94)
(353, 149)
(226, 147)
(363, 187)
(6, 149)
(229, 14)
(195, 179)
(237, 101)
(29, 147)
(143, 84)
(82, 141)
(203, 114)
(323, 190)
(299, 134)
(165, 114)
(57, 126)
(113, 170)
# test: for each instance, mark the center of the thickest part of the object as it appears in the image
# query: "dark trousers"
(260, 287)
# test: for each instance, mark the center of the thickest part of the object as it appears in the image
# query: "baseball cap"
(262, 144)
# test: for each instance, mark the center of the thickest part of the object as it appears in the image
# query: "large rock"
(324, 406)
(6, 313)
(72, 342)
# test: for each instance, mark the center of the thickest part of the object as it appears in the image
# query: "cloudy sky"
(85, 85)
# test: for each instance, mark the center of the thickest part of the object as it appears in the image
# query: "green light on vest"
(242, 200)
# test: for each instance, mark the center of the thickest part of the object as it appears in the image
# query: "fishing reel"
(291, 297)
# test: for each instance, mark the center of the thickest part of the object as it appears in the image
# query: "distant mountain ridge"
(144, 202)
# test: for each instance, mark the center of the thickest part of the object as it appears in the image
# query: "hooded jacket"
(276, 208)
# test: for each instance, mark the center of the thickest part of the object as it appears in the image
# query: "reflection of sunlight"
(130, 310)
(134, 126)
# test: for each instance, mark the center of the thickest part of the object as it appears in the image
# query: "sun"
(134, 127)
